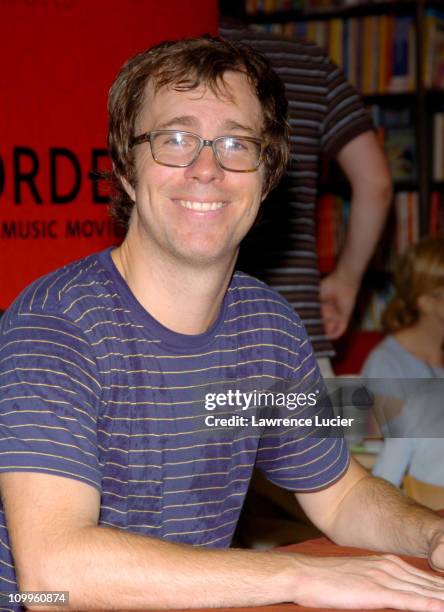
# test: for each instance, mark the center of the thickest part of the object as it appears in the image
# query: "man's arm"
(58, 545)
(364, 511)
(365, 166)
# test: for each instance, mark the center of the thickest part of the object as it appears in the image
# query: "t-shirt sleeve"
(49, 397)
(346, 116)
(304, 458)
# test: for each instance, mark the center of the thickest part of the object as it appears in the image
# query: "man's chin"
(209, 258)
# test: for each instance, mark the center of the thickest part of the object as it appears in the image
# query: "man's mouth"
(201, 206)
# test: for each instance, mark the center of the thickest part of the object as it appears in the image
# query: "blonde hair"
(418, 272)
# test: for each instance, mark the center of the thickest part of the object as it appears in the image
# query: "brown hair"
(185, 65)
(418, 272)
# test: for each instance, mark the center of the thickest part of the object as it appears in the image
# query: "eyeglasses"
(181, 149)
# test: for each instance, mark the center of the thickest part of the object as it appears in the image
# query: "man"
(108, 490)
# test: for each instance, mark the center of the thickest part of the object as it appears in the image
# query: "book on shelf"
(436, 227)
(403, 66)
(366, 56)
(352, 52)
(332, 213)
(386, 26)
(335, 41)
(407, 220)
(395, 130)
(438, 146)
(325, 239)
(399, 145)
(433, 68)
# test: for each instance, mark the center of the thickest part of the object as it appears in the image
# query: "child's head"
(419, 285)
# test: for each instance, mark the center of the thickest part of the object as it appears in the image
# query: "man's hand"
(436, 552)
(337, 297)
(373, 582)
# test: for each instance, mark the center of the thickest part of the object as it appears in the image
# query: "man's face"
(168, 216)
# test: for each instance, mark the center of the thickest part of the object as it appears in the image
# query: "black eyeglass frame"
(203, 142)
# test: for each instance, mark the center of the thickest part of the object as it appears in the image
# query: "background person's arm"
(365, 167)
(393, 460)
(58, 545)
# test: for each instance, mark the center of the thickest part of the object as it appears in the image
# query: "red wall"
(58, 59)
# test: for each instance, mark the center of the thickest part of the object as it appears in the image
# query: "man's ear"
(128, 188)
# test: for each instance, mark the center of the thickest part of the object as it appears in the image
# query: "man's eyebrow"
(184, 120)
(235, 125)
(190, 121)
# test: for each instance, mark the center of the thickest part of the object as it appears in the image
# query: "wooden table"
(321, 547)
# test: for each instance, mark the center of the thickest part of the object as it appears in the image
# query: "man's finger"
(401, 600)
(411, 570)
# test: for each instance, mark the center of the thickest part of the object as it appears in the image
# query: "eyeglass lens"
(181, 149)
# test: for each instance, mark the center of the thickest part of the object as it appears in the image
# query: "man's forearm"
(376, 515)
(107, 568)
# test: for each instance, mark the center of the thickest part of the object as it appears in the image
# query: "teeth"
(201, 206)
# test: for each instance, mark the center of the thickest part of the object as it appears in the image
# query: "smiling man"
(109, 490)
(196, 199)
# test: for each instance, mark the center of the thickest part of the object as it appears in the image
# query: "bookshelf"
(393, 53)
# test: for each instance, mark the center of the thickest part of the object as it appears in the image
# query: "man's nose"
(205, 168)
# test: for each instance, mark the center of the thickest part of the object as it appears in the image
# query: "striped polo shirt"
(94, 388)
(325, 113)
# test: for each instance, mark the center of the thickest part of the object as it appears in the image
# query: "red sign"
(58, 59)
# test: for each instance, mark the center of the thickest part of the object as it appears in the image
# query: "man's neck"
(183, 299)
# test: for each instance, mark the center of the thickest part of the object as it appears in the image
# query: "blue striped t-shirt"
(94, 388)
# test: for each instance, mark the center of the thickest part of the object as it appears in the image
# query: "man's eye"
(178, 141)
(231, 144)
(239, 146)
(173, 142)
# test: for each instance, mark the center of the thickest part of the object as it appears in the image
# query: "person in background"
(412, 350)
(327, 119)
